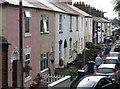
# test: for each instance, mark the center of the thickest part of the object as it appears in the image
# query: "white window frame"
(44, 59)
(77, 23)
(44, 27)
(70, 49)
(86, 22)
(70, 23)
(26, 52)
(60, 51)
(27, 14)
(60, 23)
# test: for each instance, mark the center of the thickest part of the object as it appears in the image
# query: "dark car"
(97, 82)
(117, 48)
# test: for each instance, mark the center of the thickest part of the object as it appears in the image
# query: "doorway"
(14, 73)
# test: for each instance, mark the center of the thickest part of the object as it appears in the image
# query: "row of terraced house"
(51, 31)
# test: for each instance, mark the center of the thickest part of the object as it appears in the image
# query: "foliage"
(117, 5)
(80, 61)
(36, 81)
(90, 45)
(27, 68)
(98, 46)
(72, 72)
(75, 50)
(60, 62)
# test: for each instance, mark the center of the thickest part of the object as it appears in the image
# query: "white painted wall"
(75, 35)
(60, 36)
(99, 32)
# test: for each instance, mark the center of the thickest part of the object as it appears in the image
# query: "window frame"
(60, 22)
(70, 23)
(70, 48)
(27, 51)
(27, 16)
(44, 23)
(77, 23)
(44, 61)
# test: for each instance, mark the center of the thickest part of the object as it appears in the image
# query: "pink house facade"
(29, 44)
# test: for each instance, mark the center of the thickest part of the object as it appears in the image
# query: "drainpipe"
(20, 43)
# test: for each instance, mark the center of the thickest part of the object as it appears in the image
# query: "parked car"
(97, 82)
(118, 42)
(117, 48)
(112, 60)
(114, 54)
(110, 70)
(107, 50)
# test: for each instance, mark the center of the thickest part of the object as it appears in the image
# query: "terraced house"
(51, 31)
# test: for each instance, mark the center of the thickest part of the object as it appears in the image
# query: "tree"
(117, 5)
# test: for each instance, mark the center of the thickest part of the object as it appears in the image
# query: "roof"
(111, 58)
(79, 11)
(65, 8)
(107, 66)
(100, 19)
(3, 41)
(41, 4)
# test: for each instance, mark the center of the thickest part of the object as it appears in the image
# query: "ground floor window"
(44, 61)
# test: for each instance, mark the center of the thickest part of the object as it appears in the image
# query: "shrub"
(90, 45)
(60, 62)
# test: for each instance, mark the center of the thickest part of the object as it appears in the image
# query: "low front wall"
(63, 83)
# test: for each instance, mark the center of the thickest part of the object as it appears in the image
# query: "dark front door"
(14, 74)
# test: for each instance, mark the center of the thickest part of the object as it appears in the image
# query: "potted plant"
(27, 68)
(36, 82)
(60, 62)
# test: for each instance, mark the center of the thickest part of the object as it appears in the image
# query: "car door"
(117, 72)
(107, 84)
(104, 83)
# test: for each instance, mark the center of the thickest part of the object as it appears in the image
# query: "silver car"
(110, 70)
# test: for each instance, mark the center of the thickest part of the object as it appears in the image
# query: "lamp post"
(20, 44)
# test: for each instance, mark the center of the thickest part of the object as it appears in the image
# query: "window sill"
(70, 30)
(70, 57)
(60, 32)
(28, 35)
(44, 70)
(27, 79)
(44, 32)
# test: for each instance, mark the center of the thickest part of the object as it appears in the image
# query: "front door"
(14, 74)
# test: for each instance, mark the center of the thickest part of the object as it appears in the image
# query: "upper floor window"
(44, 24)
(27, 21)
(86, 22)
(77, 23)
(60, 22)
(70, 23)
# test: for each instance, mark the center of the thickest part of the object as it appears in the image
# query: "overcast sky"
(104, 5)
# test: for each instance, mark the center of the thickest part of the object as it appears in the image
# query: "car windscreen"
(86, 84)
(105, 70)
(110, 61)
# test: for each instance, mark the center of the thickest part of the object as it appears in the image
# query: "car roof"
(111, 57)
(107, 66)
(114, 52)
(92, 78)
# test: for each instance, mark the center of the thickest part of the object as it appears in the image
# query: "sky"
(103, 5)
